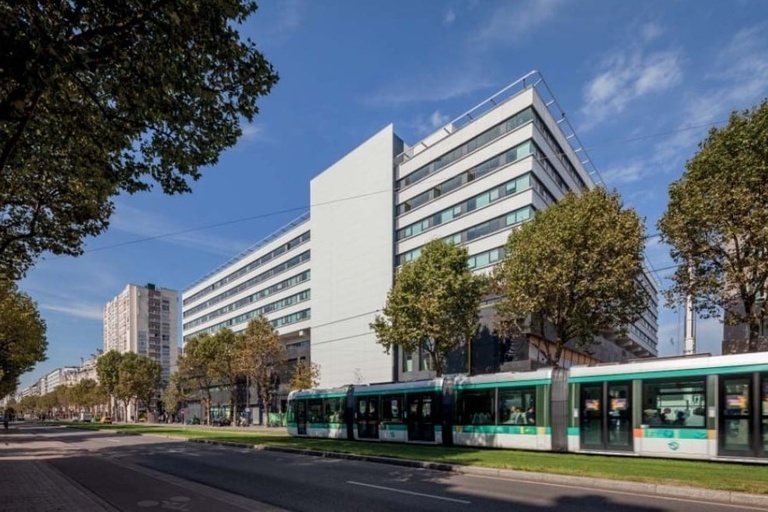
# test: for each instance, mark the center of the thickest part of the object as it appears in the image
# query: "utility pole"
(690, 328)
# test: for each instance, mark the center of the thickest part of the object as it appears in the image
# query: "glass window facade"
(276, 323)
(288, 246)
(260, 311)
(250, 299)
(471, 145)
(486, 228)
(489, 166)
(274, 271)
(479, 201)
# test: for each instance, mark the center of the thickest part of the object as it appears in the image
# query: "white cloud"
(145, 224)
(449, 17)
(79, 310)
(512, 21)
(252, 132)
(626, 173)
(651, 31)
(626, 77)
(426, 125)
(432, 88)
(737, 79)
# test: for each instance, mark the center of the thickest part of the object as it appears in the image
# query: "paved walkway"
(29, 483)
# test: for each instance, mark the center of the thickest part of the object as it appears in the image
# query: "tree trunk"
(754, 333)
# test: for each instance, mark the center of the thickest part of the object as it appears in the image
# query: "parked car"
(106, 420)
(221, 422)
(194, 420)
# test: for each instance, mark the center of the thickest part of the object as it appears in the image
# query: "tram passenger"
(530, 416)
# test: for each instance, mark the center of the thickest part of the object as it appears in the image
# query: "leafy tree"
(22, 335)
(99, 97)
(716, 224)
(262, 356)
(63, 397)
(195, 368)
(140, 378)
(223, 365)
(124, 391)
(108, 371)
(433, 304)
(575, 267)
(86, 394)
(305, 375)
(174, 396)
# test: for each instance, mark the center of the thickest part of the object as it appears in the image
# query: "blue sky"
(640, 81)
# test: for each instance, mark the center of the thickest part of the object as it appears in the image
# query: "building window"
(408, 362)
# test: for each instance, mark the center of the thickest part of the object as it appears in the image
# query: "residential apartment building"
(144, 320)
(471, 183)
(59, 377)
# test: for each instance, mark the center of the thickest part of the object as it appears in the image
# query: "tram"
(698, 407)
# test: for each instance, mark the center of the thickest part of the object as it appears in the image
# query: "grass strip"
(721, 476)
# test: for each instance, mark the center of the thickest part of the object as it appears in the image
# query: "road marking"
(626, 493)
(113, 440)
(402, 491)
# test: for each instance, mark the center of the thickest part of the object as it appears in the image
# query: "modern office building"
(144, 320)
(471, 183)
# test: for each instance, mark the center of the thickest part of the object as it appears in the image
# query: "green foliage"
(22, 335)
(716, 223)
(174, 396)
(87, 394)
(261, 355)
(108, 371)
(99, 97)
(195, 368)
(433, 304)
(139, 377)
(574, 267)
(223, 364)
(305, 375)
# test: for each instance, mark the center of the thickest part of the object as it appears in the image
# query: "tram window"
(678, 403)
(476, 407)
(334, 410)
(316, 413)
(292, 411)
(517, 406)
(392, 408)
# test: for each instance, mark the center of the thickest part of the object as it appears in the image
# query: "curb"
(662, 490)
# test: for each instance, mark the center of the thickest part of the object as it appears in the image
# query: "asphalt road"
(141, 472)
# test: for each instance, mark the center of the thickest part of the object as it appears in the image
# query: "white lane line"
(112, 440)
(401, 491)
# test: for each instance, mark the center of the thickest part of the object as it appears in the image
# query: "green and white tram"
(702, 407)
(693, 407)
(398, 412)
(504, 410)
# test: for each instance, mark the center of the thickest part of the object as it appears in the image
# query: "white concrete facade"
(352, 261)
(144, 320)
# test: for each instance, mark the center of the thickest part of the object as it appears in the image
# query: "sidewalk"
(28, 483)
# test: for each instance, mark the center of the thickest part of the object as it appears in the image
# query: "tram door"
(301, 417)
(605, 414)
(743, 422)
(368, 417)
(422, 416)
